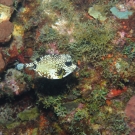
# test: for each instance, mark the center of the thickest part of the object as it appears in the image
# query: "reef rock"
(13, 83)
(130, 113)
(7, 2)
(14, 80)
(6, 29)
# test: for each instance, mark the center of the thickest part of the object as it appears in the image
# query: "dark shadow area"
(55, 87)
(6, 44)
(16, 10)
(29, 95)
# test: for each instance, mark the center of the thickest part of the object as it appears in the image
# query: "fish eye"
(38, 59)
(68, 63)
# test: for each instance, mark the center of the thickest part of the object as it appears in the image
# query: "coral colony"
(67, 67)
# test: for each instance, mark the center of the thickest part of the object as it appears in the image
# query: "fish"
(52, 66)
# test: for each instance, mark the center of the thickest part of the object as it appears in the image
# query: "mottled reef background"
(96, 99)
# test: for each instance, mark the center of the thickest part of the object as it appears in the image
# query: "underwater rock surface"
(130, 113)
(6, 28)
(7, 2)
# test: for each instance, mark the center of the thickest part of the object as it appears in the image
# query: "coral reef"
(61, 100)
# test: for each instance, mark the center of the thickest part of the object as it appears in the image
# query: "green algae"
(13, 125)
(92, 32)
(81, 114)
(27, 115)
(130, 51)
(64, 7)
(91, 41)
(35, 131)
(95, 100)
(53, 102)
(70, 106)
(48, 34)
